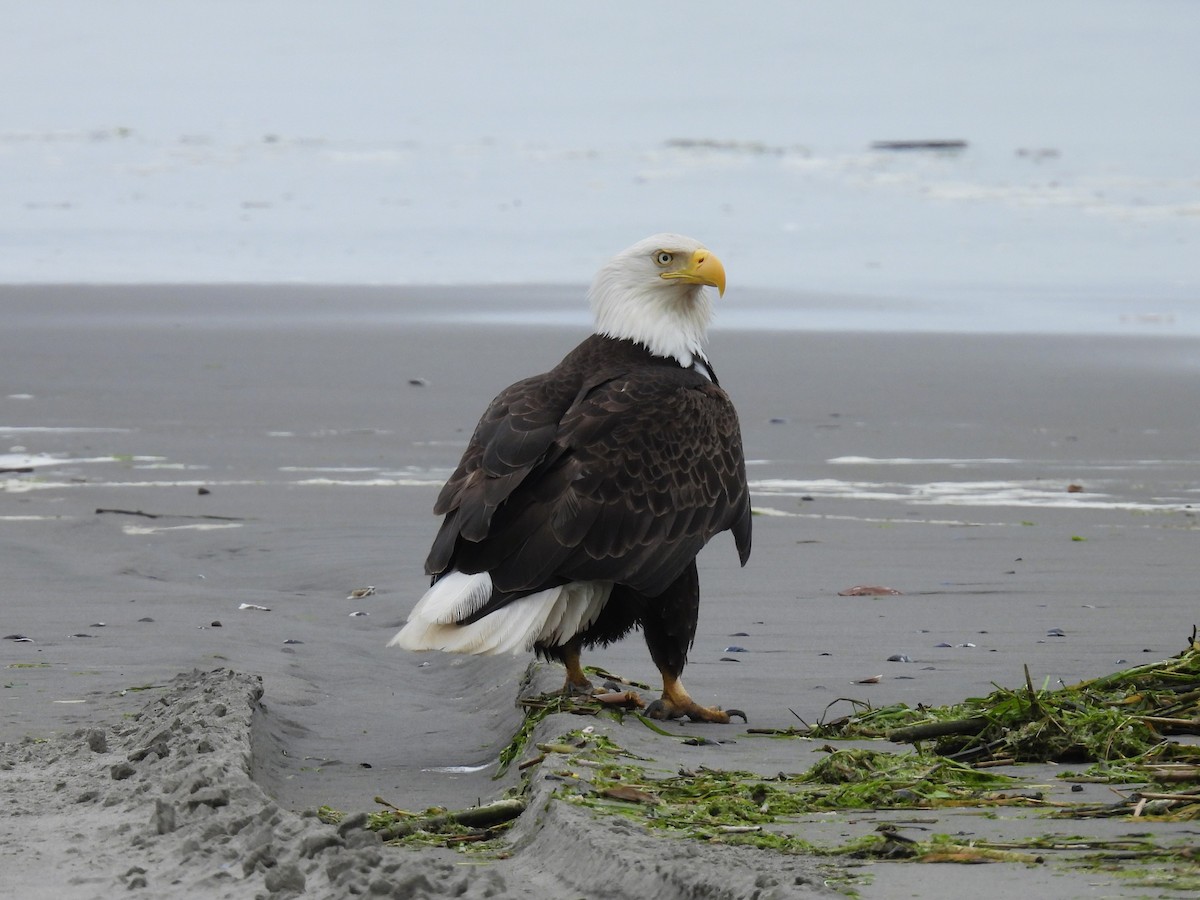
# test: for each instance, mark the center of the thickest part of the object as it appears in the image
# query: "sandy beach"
(196, 479)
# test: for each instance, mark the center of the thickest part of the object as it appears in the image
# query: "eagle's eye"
(663, 258)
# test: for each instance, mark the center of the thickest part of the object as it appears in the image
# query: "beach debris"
(146, 619)
(1056, 632)
(622, 699)
(1123, 716)
(357, 613)
(254, 606)
(293, 641)
(359, 593)
(18, 638)
(869, 590)
(939, 145)
(98, 625)
(393, 824)
(728, 659)
(900, 658)
(203, 491)
(734, 648)
(81, 634)
(874, 679)
(146, 515)
(629, 795)
(1074, 489)
(419, 382)
(942, 644)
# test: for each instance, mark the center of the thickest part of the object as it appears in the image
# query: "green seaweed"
(1117, 717)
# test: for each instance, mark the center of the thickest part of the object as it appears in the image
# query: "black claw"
(737, 712)
(657, 710)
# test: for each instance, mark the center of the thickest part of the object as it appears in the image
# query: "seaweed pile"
(1118, 716)
(1123, 727)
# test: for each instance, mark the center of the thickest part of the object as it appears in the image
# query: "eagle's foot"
(663, 708)
(580, 688)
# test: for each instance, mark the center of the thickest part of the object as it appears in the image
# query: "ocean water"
(382, 142)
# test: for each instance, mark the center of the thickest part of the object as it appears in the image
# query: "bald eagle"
(586, 492)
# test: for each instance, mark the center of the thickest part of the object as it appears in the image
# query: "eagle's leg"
(669, 626)
(577, 682)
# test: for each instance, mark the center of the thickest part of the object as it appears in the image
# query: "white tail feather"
(552, 616)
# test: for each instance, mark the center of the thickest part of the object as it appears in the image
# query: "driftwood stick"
(146, 515)
(1177, 726)
(916, 733)
(476, 817)
(1155, 795)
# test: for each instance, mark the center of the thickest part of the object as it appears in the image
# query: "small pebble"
(357, 613)
(729, 659)
(18, 638)
(1056, 632)
(293, 641)
(899, 657)
(145, 619)
(943, 644)
(1076, 788)
(216, 623)
(734, 648)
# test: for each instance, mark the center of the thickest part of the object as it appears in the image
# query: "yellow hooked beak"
(702, 268)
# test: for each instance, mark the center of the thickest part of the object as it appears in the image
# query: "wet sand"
(178, 453)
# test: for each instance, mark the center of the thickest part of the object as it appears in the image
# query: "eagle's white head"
(653, 293)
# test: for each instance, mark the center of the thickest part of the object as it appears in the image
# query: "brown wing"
(514, 437)
(656, 470)
(623, 480)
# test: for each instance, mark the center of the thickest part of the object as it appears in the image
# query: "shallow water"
(1073, 207)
